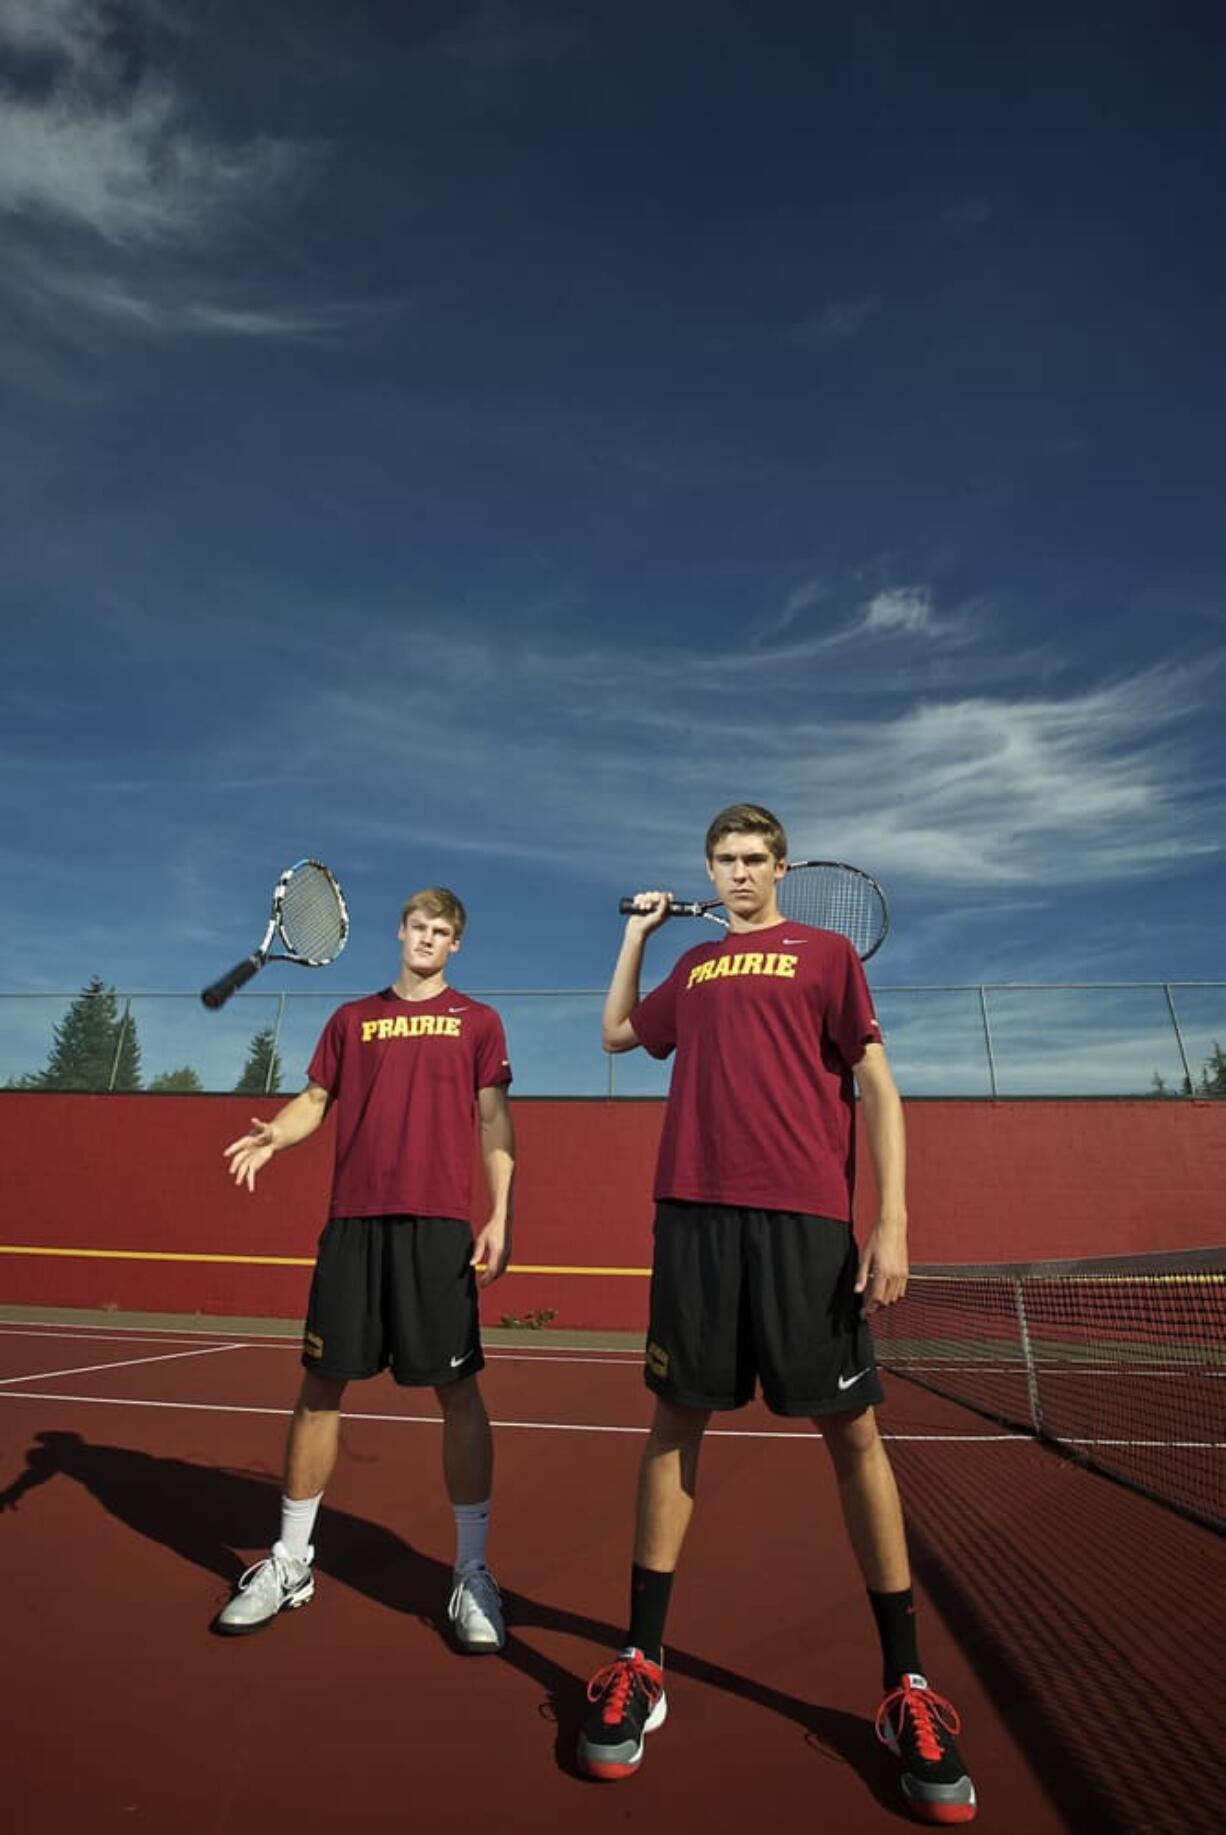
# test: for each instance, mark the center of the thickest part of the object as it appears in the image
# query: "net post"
(1183, 1055)
(120, 1037)
(276, 1039)
(1032, 1376)
(987, 1038)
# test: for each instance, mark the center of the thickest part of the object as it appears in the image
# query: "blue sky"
(473, 442)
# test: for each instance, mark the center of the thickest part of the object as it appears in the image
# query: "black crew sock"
(649, 1595)
(895, 1616)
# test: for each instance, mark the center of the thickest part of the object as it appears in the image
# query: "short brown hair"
(748, 819)
(437, 902)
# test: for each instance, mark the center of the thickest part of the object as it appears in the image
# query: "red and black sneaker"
(918, 1726)
(629, 1699)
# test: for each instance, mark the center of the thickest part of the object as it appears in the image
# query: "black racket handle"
(676, 908)
(218, 992)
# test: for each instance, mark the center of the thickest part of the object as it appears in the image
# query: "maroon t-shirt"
(766, 1025)
(405, 1076)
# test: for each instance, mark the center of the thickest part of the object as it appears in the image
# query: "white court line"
(100, 1335)
(627, 1361)
(127, 1363)
(557, 1427)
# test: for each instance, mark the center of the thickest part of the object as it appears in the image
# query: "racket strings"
(835, 899)
(313, 923)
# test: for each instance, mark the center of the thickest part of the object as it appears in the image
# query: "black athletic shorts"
(394, 1292)
(741, 1296)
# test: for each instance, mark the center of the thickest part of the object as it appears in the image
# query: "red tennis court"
(1076, 1626)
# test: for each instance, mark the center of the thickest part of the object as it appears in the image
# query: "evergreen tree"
(262, 1071)
(184, 1081)
(94, 1047)
(1213, 1076)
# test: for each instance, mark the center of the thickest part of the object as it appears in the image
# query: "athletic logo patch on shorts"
(312, 1345)
(657, 1360)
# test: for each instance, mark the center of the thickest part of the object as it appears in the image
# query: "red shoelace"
(618, 1678)
(925, 1708)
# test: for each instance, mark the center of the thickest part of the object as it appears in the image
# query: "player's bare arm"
(492, 1245)
(617, 1034)
(882, 1275)
(300, 1117)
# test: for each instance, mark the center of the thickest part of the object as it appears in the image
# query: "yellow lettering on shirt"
(413, 1026)
(747, 962)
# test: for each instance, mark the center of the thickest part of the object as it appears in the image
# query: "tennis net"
(1120, 1362)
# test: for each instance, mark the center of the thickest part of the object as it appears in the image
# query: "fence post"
(120, 1036)
(987, 1038)
(1183, 1056)
(276, 1038)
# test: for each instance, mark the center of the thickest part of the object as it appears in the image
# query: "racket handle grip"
(676, 908)
(218, 992)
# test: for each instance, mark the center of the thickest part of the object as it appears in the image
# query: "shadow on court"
(1092, 1618)
(204, 1515)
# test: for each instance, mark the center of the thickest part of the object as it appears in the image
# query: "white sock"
(472, 1523)
(297, 1522)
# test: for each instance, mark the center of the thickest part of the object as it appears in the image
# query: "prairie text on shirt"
(750, 962)
(414, 1026)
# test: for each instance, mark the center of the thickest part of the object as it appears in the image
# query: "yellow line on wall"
(264, 1261)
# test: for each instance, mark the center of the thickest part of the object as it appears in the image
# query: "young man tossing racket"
(756, 1275)
(395, 1281)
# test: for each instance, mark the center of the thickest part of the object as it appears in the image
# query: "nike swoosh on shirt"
(457, 1009)
(795, 940)
(849, 1382)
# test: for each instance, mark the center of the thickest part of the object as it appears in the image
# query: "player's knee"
(319, 1395)
(460, 1399)
(674, 1427)
(850, 1438)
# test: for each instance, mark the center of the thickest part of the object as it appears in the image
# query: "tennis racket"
(825, 893)
(309, 917)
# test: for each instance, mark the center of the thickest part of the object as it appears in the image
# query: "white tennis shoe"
(475, 1611)
(280, 1583)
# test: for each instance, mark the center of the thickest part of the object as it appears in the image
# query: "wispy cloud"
(102, 149)
(123, 159)
(167, 306)
(908, 611)
(836, 323)
(894, 612)
(989, 792)
(72, 30)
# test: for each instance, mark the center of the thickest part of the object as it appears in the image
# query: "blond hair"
(437, 902)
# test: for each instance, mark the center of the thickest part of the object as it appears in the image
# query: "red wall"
(989, 1181)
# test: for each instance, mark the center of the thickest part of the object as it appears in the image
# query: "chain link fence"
(1160, 1039)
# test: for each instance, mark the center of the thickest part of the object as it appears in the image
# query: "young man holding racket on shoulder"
(395, 1283)
(756, 1275)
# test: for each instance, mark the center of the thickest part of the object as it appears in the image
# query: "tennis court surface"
(1076, 1624)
